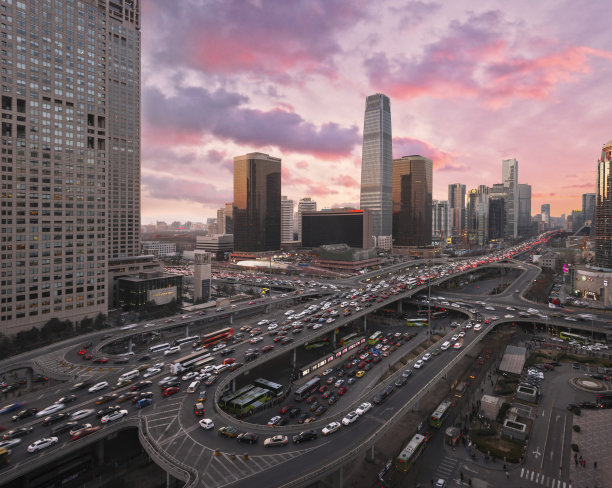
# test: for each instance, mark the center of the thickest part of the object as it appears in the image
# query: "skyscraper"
(412, 189)
(588, 207)
(70, 156)
(456, 207)
(545, 210)
(304, 205)
(440, 221)
(286, 219)
(603, 208)
(524, 210)
(377, 163)
(257, 202)
(510, 180)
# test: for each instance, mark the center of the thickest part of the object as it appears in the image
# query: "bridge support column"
(130, 345)
(400, 308)
(294, 356)
(268, 308)
(29, 374)
(186, 331)
(370, 454)
(334, 340)
(365, 324)
(231, 318)
(100, 453)
(234, 385)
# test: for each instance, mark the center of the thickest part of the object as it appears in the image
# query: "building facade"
(257, 202)
(588, 207)
(304, 205)
(497, 223)
(510, 181)
(377, 163)
(159, 248)
(545, 211)
(524, 210)
(286, 219)
(456, 207)
(412, 200)
(202, 275)
(70, 156)
(218, 245)
(603, 208)
(350, 227)
(440, 221)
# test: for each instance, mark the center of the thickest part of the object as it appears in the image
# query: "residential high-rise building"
(545, 210)
(412, 190)
(603, 208)
(588, 207)
(377, 163)
(220, 221)
(497, 215)
(229, 218)
(524, 210)
(257, 202)
(440, 221)
(304, 205)
(510, 180)
(70, 156)
(456, 207)
(286, 219)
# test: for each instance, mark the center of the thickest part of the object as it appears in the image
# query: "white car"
(218, 347)
(81, 414)
(151, 372)
(339, 383)
(331, 428)
(327, 371)
(426, 356)
(272, 326)
(188, 376)
(508, 316)
(363, 408)
(418, 364)
(42, 444)
(207, 424)
(255, 340)
(477, 327)
(56, 407)
(98, 386)
(350, 418)
(461, 334)
(114, 416)
(457, 345)
(10, 443)
(454, 338)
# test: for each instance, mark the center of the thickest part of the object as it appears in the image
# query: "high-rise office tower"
(545, 210)
(412, 188)
(510, 180)
(603, 208)
(229, 218)
(70, 155)
(220, 221)
(304, 205)
(377, 163)
(524, 210)
(456, 207)
(588, 206)
(440, 221)
(477, 216)
(497, 216)
(257, 202)
(286, 219)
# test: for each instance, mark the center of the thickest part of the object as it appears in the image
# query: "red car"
(82, 352)
(311, 399)
(285, 408)
(267, 348)
(85, 432)
(87, 357)
(342, 391)
(229, 360)
(100, 360)
(322, 389)
(171, 391)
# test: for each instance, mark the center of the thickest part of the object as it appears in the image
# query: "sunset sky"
(471, 83)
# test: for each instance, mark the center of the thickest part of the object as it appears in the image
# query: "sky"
(470, 83)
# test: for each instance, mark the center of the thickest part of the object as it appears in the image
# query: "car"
(294, 412)
(227, 352)
(7, 444)
(267, 348)
(330, 380)
(363, 408)
(56, 407)
(323, 388)
(256, 339)
(151, 372)
(172, 390)
(106, 398)
(247, 437)
(418, 364)
(98, 386)
(188, 376)
(116, 415)
(15, 433)
(22, 414)
(207, 424)
(401, 381)
(101, 360)
(341, 391)
(331, 428)
(426, 356)
(407, 373)
(142, 402)
(350, 418)
(311, 399)
(126, 396)
(107, 410)
(351, 381)
(146, 357)
(42, 444)
(440, 483)
(229, 361)
(228, 431)
(338, 383)
(80, 385)
(285, 408)
(85, 432)
(277, 440)
(82, 352)
(274, 420)
(168, 381)
(78, 427)
(327, 394)
(307, 435)
(332, 399)
(360, 373)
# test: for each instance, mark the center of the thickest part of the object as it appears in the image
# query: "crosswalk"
(541, 479)
(446, 467)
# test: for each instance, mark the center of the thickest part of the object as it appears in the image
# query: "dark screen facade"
(321, 228)
(257, 203)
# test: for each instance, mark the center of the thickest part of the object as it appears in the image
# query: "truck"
(460, 389)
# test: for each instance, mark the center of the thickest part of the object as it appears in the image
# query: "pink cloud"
(442, 160)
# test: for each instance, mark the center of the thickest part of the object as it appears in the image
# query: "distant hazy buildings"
(603, 208)
(286, 219)
(225, 221)
(304, 205)
(477, 216)
(588, 206)
(456, 207)
(545, 210)
(377, 163)
(412, 190)
(338, 226)
(257, 202)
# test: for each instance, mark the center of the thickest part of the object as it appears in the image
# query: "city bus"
(315, 345)
(185, 340)
(569, 336)
(257, 397)
(440, 414)
(416, 322)
(213, 338)
(189, 362)
(343, 341)
(410, 453)
(374, 338)
(198, 365)
(159, 347)
(275, 388)
(307, 388)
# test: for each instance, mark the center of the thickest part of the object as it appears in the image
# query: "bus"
(307, 388)
(198, 365)
(410, 453)
(257, 397)
(191, 361)
(316, 345)
(440, 413)
(159, 347)
(416, 322)
(343, 341)
(569, 336)
(185, 340)
(442, 314)
(374, 338)
(231, 396)
(275, 388)
(213, 338)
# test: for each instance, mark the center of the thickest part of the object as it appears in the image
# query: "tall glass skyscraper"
(510, 180)
(377, 163)
(456, 207)
(603, 208)
(70, 169)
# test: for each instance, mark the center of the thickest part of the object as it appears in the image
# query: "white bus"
(130, 375)
(185, 340)
(159, 347)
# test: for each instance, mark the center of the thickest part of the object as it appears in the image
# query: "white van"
(477, 327)
(193, 386)
(130, 375)
(172, 350)
(445, 346)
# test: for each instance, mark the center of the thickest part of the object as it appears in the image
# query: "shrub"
(576, 428)
(575, 448)
(576, 411)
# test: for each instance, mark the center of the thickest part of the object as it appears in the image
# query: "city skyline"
(295, 88)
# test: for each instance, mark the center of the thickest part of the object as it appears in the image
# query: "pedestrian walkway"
(446, 467)
(543, 480)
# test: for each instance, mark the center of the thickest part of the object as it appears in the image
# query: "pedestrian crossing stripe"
(541, 479)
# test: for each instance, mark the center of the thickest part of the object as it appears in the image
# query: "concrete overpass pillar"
(234, 385)
(29, 374)
(187, 331)
(370, 454)
(365, 324)
(231, 318)
(130, 345)
(334, 340)
(100, 452)
(294, 356)
(400, 308)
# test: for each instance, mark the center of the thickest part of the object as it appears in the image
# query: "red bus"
(213, 338)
